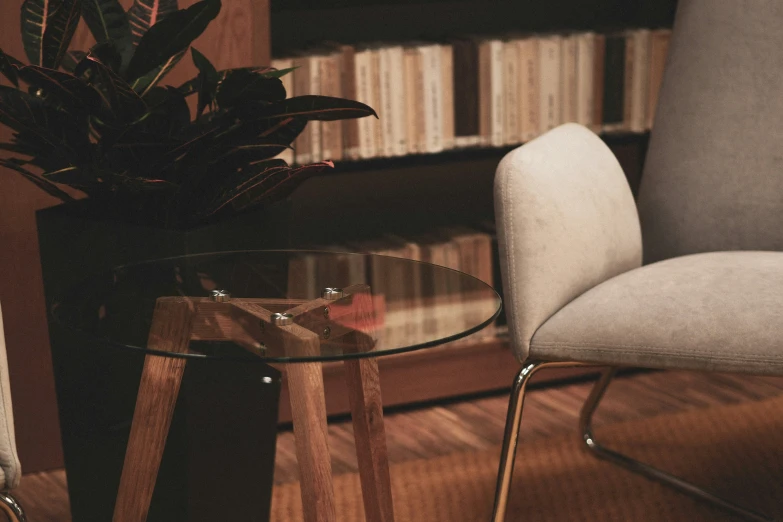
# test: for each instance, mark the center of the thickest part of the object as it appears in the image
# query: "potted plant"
(166, 170)
(100, 121)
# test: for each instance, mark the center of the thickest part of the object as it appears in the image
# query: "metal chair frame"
(511, 436)
(11, 508)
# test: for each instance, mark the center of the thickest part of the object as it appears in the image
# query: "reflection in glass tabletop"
(334, 306)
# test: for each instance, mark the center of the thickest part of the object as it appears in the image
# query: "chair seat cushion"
(718, 311)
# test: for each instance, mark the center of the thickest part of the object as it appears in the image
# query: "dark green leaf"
(323, 108)
(191, 86)
(126, 105)
(170, 36)
(109, 23)
(47, 186)
(35, 16)
(72, 175)
(243, 156)
(262, 182)
(108, 54)
(8, 66)
(143, 14)
(70, 92)
(59, 32)
(71, 60)
(28, 114)
(207, 79)
(279, 134)
(278, 73)
(168, 112)
(148, 81)
(47, 29)
(242, 86)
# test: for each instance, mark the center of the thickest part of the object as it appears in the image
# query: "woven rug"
(736, 451)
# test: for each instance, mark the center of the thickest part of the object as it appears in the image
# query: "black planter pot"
(219, 457)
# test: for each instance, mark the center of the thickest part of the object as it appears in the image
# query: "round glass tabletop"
(279, 306)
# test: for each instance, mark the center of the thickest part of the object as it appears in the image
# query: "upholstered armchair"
(692, 277)
(10, 469)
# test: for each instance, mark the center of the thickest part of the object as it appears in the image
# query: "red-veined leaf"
(143, 14)
(109, 23)
(59, 32)
(148, 81)
(269, 181)
(170, 36)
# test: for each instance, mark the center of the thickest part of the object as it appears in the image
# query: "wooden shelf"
(461, 156)
(301, 23)
(447, 371)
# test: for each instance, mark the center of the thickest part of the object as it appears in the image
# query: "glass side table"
(295, 309)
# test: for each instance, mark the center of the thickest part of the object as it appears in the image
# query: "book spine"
(466, 93)
(511, 76)
(641, 78)
(331, 131)
(497, 96)
(485, 94)
(386, 112)
(447, 86)
(550, 52)
(628, 81)
(412, 79)
(375, 101)
(569, 79)
(315, 126)
(363, 94)
(303, 144)
(614, 82)
(585, 48)
(348, 84)
(398, 105)
(288, 84)
(433, 102)
(599, 57)
(530, 85)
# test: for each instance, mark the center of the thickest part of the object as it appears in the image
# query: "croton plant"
(100, 121)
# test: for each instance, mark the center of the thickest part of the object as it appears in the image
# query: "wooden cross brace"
(293, 328)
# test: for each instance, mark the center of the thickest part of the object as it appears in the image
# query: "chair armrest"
(10, 468)
(566, 221)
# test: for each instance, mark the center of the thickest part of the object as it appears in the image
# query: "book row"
(477, 92)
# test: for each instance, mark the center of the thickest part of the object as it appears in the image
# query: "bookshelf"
(416, 194)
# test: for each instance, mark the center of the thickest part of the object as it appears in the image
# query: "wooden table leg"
(364, 394)
(158, 391)
(308, 411)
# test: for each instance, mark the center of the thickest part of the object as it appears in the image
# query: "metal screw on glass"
(282, 319)
(220, 296)
(327, 332)
(332, 293)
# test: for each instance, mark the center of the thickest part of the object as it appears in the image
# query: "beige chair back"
(713, 178)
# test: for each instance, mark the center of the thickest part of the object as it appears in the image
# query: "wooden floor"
(477, 423)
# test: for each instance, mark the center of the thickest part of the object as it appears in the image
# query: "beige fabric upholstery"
(720, 311)
(713, 178)
(566, 222)
(10, 468)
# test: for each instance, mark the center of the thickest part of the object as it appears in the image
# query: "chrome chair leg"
(511, 435)
(586, 432)
(11, 508)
